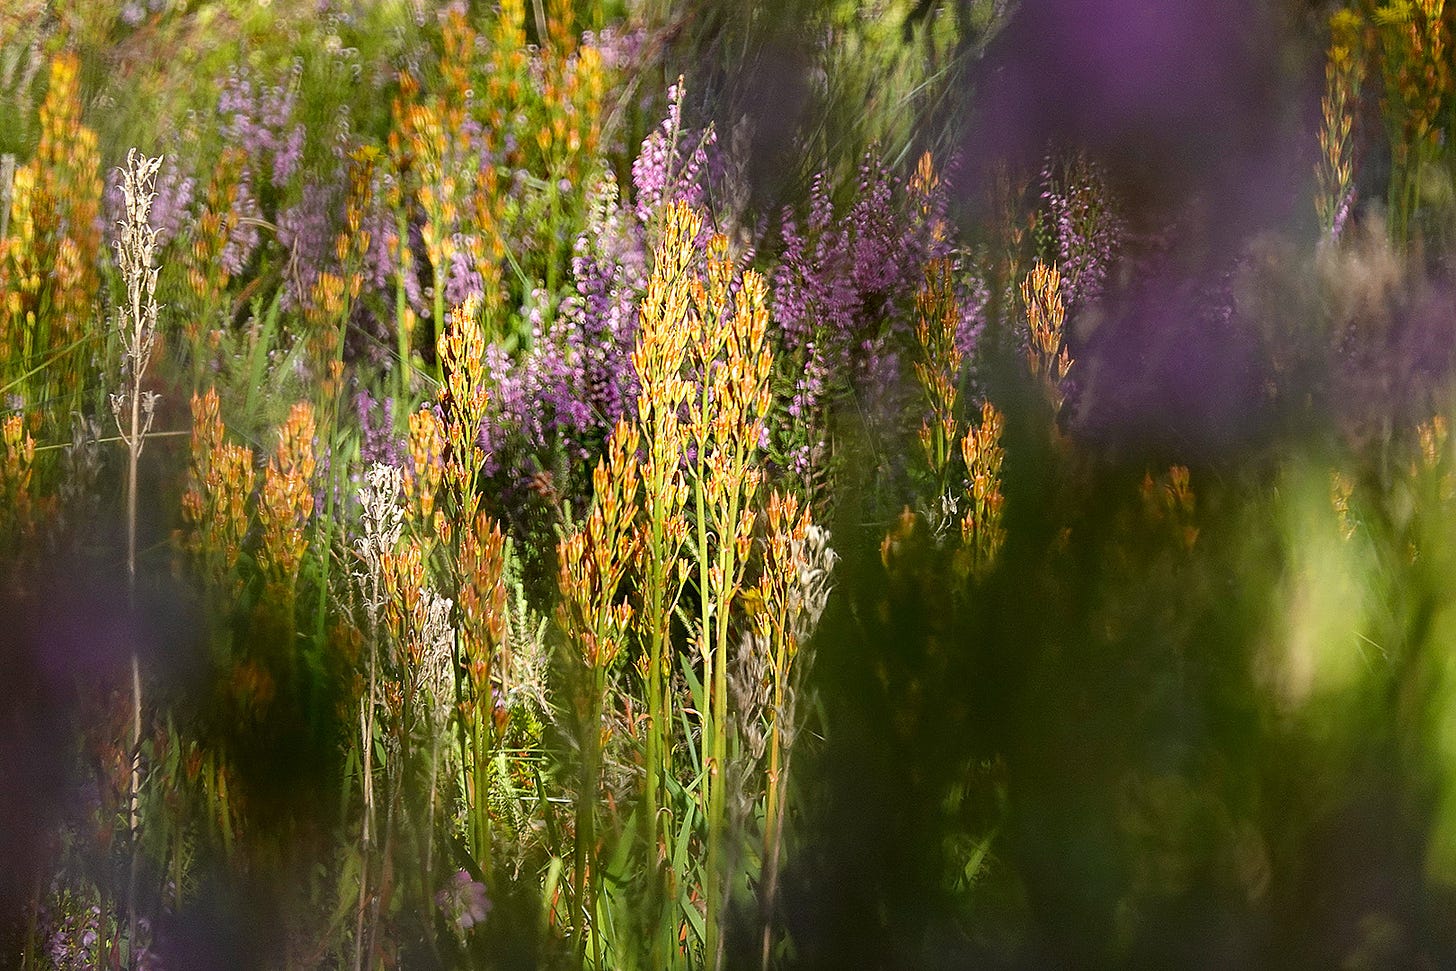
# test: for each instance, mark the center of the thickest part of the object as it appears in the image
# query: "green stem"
(773, 799)
(708, 717)
(584, 886)
(480, 770)
(439, 321)
(717, 804)
(401, 310)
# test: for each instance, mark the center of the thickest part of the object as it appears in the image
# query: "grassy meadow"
(686, 484)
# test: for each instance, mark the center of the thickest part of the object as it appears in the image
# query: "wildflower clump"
(792, 593)
(726, 420)
(49, 279)
(15, 481)
(1084, 224)
(1416, 71)
(658, 358)
(595, 615)
(1170, 504)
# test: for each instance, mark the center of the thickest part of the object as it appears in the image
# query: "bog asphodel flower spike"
(982, 534)
(287, 501)
(1047, 353)
(15, 478)
(426, 468)
(726, 414)
(594, 559)
(214, 506)
(658, 359)
(938, 368)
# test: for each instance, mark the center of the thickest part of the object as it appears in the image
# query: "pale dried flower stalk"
(7, 180)
(136, 250)
(382, 520)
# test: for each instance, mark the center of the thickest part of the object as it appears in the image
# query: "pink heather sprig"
(842, 298)
(462, 279)
(1086, 226)
(260, 119)
(672, 161)
(307, 230)
(381, 444)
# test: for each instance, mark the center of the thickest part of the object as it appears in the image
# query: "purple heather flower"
(307, 231)
(671, 163)
(972, 296)
(244, 239)
(576, 379)
(290, 153)
(844, 293)
(260, 119)
(464, 901)
(1342, 215)
(376, 423)
(1086, 227)
(619, 47)
(462, 279)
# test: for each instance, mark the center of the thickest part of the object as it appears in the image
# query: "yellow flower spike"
(982, 534)
(595, 557)
(49, 266)
(427, 450)
(287, 501)
(214, 505)
(938, 368)
(1047, 354)
(15, 477)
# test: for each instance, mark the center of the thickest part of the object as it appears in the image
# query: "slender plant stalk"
(593, 560)
(402, 318)
(7, 182)
(366, 737)
(135, 253)
(382, 522)
(734, 362)
(793, 589)
(658, 358)
(711, 714)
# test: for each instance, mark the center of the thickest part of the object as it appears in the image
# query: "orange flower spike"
(1046, 317)
(427, 450)
(220, 481)
(938, 368)
(463, 399)
(981, 531)
(287, 501)
(18, 470)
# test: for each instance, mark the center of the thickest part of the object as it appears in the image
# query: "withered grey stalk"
(382, 518)
(134, 409)
(814, 561)
(436, 683)
(7, 187)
